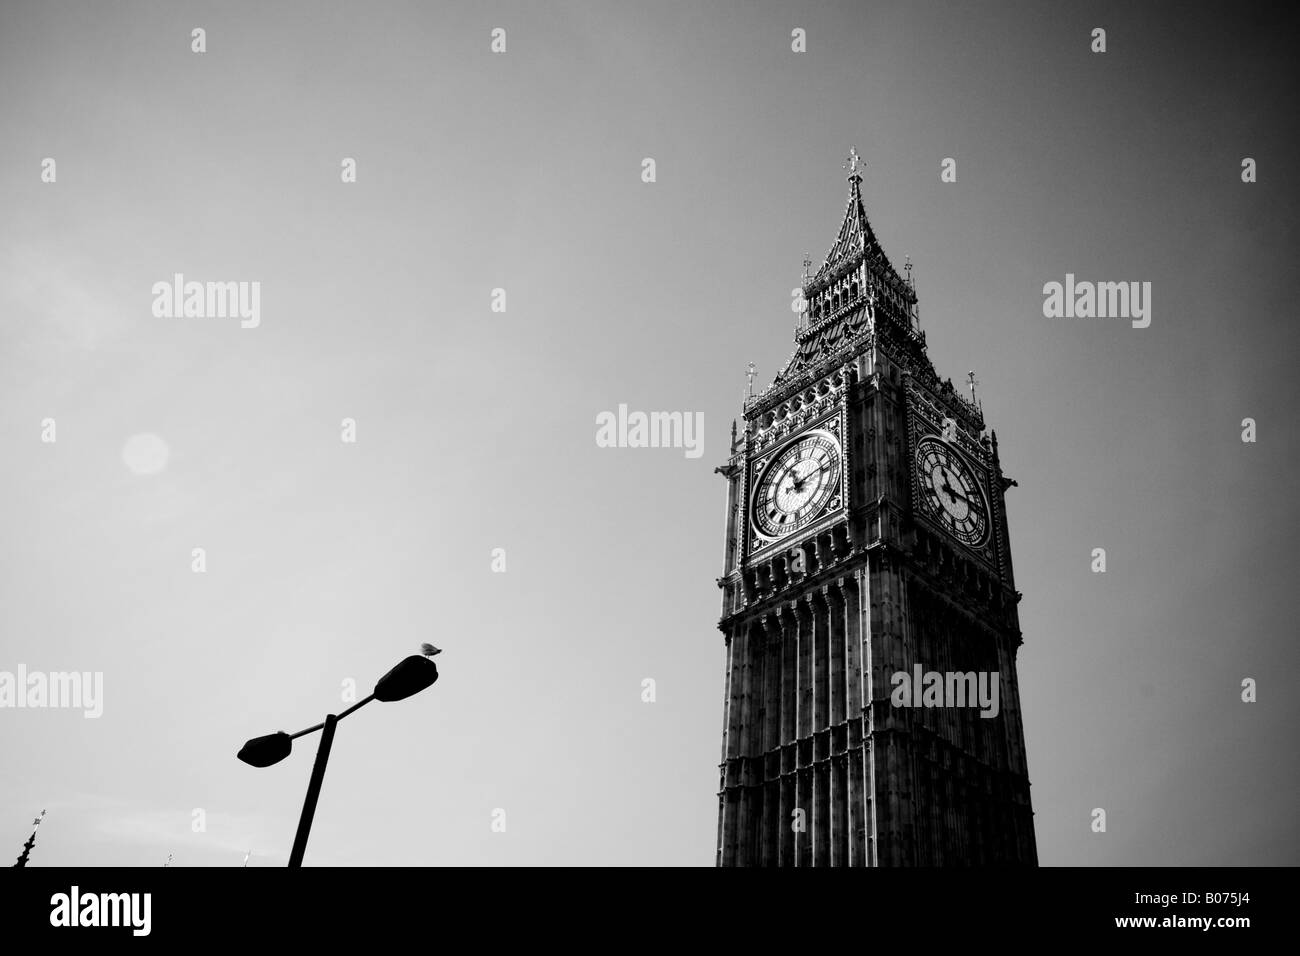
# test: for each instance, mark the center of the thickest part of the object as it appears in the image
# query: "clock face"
(951, 492)
(796, 485)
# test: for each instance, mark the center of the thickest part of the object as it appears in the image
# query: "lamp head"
(409, 677)
(268, 750)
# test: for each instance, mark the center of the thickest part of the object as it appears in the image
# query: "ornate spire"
(856, 290)
(855, 241)
(855, 232)
(31, 841)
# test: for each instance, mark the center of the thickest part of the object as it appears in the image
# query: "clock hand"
(952, 493)
(798, 479)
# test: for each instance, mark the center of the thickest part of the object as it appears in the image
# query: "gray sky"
(328, 561)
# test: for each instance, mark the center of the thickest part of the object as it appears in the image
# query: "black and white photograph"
(600, 435)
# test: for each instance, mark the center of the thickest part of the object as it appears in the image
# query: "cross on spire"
(750, 372)
(972, 381)
(854, 160)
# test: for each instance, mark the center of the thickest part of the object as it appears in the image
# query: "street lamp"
(408, 678)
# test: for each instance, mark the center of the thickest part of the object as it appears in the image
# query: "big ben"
(866, 542)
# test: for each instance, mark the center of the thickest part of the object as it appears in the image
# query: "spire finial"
(750, 372)
(855, 159)
(972, 381)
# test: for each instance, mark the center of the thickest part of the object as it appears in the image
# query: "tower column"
(837, 738)
(728, 804)
(853, 705)
(751, 634)
(767, 782)
(803, 745)
(821, 825)
(789, 618)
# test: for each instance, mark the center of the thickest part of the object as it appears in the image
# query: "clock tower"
(867, 592)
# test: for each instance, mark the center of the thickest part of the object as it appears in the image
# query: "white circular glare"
(145, 454)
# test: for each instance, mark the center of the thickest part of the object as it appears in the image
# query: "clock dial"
(796, 485)
(951, 492)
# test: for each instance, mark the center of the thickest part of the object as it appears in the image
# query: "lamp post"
(408, 678)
